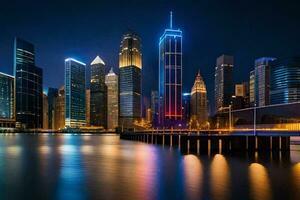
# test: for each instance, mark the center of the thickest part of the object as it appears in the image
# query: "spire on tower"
(171, 20)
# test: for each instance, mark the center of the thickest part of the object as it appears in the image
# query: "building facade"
(7, 108)
(186, 104)
(74, 93)
(60, 109)
(130, 80)
(285, 80)
(252, 89)
(52, 95)
(28, 86)
(199, 111)
(98, 90)
(111, 81)
(154, 107)
(88, 106)
(170, 77)
(45, 112)
(223, 82)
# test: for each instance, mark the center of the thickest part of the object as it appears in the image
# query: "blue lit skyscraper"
(28, 86)
(285, 80)
(170, 76)
(6, 96)
(130, 80)
(74, 93)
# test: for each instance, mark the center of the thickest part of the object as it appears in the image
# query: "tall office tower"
(28, 86)
(223, 82)
(98, 94)
(186, 104)
(7, 110)
(252, 89)
(285, 80)
(60, 109)
(111, 81)
(241, 98)
(262, 79)
(130, 80)
(74, 93)
(45, 112)
(88, 106)
(154, 107)
(170, 76)
(52, 95)
(199, 111)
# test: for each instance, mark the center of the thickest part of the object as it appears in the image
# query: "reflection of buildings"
(223, 82)
(130, 67)
(285, 80)
(60, 109)
(7, 111)
(199, 112)
(111, 81)
(45, 112)
(29, 86)
(98, 100)
(170, 76)
(74, 93)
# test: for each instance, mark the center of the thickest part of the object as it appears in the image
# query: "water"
(104, 167)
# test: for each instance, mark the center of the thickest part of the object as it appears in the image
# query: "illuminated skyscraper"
(252, 88)
(45, 112)
(285, 80)
(186, 105)
(130, 81)
(88, 106)
(199, 111)
(60, 109)
(7, 110)
(170, 76)
(74, 93)
(28, 86)
(111, 80)
(224, 88)
(98, 100)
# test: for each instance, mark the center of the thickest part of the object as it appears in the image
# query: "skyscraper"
(98, 89)
(130, 80)
(74, 93)
(262, 80)
(28, 86)
(111, 81)
(7, 111)
(154, 107)
(170, 76)
(223, 82)
(252, 88)
(45, 112)
(199, 111)
(186, 105)
(52, 95)
(60, 109)
(285, 80)
(88, 106)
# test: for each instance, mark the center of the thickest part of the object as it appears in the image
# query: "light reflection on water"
(104, 167)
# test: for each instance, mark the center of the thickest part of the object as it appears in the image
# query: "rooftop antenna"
(171, 20)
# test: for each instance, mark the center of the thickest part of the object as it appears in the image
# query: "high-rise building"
(52, 95)
(285, 80)
(262, 81)
(111, 81)
(98, 100)
(45, 112)
(199, 111)
(186, 104)
(7, 110)
(241, 98)
(252, 88)
(60, 109)
(130, 80)
(88, 106)
(223, 82)
(74, 93)
(154, 107)
(170, 76)
(149, 115)
(28, 86)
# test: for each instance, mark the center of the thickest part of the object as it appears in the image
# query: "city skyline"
(212, 36)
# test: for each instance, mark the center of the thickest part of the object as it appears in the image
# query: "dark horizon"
(246, 30)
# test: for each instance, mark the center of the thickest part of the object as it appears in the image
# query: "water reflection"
(220, 178)
(296, 179)
(260, 188)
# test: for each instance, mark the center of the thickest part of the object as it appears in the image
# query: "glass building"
(130, 80)
(154, 107)
(52, 95)
(6, 96)
(111, 81)
(60, 109)
(170, 77)
(224, 88)
(186, 104)
(252, 88)
(98, 94)
(74, 93)
(285, 80)
(28, 86)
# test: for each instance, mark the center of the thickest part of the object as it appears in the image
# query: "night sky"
(61, 29)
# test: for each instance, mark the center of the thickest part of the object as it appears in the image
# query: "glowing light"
(44, 149)
(74, 60)
(87, 149)
(14, 150)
